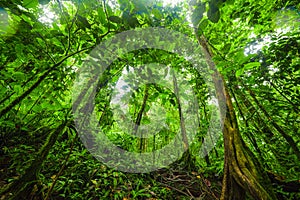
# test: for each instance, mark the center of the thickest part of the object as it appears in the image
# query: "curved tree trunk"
(242, 171)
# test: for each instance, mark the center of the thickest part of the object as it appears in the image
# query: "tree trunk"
(182, 123)
(242, 171)
(247, 134)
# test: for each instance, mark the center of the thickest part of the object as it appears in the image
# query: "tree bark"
(142, 141)
(248, 134)
(242, 171)
(182, 123)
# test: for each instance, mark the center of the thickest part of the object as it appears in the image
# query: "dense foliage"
(255, 45)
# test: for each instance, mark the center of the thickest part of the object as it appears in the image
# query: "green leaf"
(133, 22)
(157, 13)
(172, 101)
(227, 47)
(240, 57)
(19, 50)
(37, 108)
(239, 72)
(115, 19)
(222, 66)
(41, 42)
(19, 76)
(154, 95)
(18, 89)
(101, 15)
(30, 3)
(251, 65)
(82, 22)
(202, 26)
(214, 41)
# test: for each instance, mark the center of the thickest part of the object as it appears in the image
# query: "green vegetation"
(250, 48)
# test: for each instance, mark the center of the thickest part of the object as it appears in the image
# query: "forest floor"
(183, 184)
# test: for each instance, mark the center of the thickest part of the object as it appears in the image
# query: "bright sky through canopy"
(3, 21)
(48, 16)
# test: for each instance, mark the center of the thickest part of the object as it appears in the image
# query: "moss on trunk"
(242, 171)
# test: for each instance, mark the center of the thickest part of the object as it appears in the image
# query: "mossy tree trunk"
(242, 171)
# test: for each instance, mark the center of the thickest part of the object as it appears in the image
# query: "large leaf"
(239, 72)
(130, 20)
(251, 65)
(115, 19)
(157, 13)
(101, 15)
(30, 3)
(82, 22)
